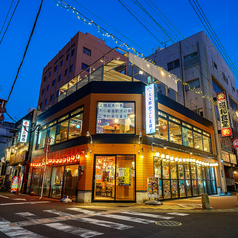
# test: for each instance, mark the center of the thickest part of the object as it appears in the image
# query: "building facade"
(100, 151)
(197, 62)
(76, 56)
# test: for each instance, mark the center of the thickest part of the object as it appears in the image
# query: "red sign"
(235, 143)
(14, 186)
(224, 116)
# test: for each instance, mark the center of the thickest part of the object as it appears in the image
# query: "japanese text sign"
(24, 131)
(224, 116)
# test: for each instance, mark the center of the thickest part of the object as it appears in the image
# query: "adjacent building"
(196, 61)
(81, 51)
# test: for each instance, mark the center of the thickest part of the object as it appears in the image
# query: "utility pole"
(46, 150)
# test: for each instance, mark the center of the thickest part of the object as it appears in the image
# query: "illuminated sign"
(233, 158)
(235, 143)
(225, 156)
(14, 185)
(24, 131)
(224, 117)
(150, 108)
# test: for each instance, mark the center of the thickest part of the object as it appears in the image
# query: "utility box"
(205, 201)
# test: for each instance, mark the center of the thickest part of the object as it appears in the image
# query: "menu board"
(14, 184)
(153, 187)
(124, 176)
(233, 158)
(225, 156)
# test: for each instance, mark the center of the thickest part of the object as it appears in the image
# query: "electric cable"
(9, 21)
(6, 16)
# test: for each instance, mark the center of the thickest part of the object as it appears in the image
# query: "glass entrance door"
(114, 178)
(71, 182)
(57, 182)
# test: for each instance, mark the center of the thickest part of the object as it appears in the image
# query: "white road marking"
(77, 231)
(3, 196)
(21, 203)
(77, 209)
(108, 224)
(98, 222)
(27, 215)
(126, 218)
(22, 199)
(148, 215)
(15, 231)
(178, 214)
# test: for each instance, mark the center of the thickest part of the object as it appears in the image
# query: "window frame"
(87, 51)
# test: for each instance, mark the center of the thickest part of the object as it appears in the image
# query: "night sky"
(56, 26)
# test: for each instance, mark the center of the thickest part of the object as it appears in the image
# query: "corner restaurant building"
(114, 161)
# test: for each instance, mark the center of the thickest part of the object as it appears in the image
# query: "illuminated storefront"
(100, 151)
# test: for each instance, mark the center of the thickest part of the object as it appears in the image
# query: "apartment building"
(197, 62)
(81, 51)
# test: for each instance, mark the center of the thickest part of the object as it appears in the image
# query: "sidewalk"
(217, 203)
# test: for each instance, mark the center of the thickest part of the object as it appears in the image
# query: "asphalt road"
(47, 218)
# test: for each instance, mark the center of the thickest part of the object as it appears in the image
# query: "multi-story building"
(81, 51)
(196, 61)
(102, 149)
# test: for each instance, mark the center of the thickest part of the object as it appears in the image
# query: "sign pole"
(47, 143)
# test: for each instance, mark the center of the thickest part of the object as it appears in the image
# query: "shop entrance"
(114, 178)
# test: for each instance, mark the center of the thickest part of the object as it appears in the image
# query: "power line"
(6, 16)
(32, 31)
(9, 21)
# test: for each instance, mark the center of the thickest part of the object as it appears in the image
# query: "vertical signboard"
(153, 187)
(150, 108)
(14, 185)
(24, 129)
(224, 116)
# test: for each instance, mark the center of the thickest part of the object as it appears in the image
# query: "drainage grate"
(168, 223)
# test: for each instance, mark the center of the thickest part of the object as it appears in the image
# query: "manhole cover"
(168, 223)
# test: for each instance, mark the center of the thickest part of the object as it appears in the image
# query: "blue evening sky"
(55, 26)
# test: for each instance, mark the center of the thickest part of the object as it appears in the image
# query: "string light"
(81, 17)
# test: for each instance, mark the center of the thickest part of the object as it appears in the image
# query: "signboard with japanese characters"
(225, 156)
(14, 185)
(112, 110)
(24, 131)
(150, 108)
(233, 158)
(224, 116)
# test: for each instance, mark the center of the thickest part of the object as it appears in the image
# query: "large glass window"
(162, 129)
(175, 133)
(207, 144)
(57, 182)
(165, 170)
(62, 131)
(46, 186)
(75, 126)
(116, 117)
(35, 183)
(51, 133)
(41, 139)
(187, 137)
(198, 141)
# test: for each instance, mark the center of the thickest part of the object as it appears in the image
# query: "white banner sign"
(24, 129)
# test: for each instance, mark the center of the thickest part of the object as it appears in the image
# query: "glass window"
(195, 129)
(175, 133)
(193, 171)
(46, 186)
(199, 171)
(188, 188)
(41, 138)
(62, 131)
(86, 51)
(173, 170)
(200, 186)
(165, 170)
(187, 170)
(116, 118)
(207, 144)
(51, 133)
(62, 118)
(174, 184)
(182, 188)
(35, 183)
(181, 170)
(162, 114)
(195, 188)
(166, 189)
(187, 125)
(76, 111)
(174, 119)
(197, 141)
(192, 84)
(162, 129)
(52, 123)
(75, 126)
(212, 173)
(57, 182)
(157, 167)
(187, 137)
